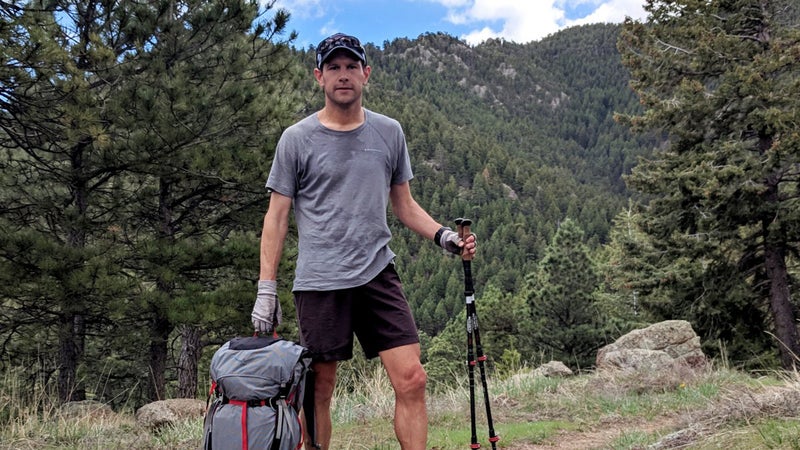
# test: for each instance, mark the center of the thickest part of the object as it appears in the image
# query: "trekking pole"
(474, 347)
(469, 291)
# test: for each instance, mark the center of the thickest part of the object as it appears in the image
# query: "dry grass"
(669, 409)
(736, 414)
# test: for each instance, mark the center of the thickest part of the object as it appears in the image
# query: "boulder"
(167, 412)
(553, 369)
(660, 346)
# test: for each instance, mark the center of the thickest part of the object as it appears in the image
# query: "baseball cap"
(340, 41)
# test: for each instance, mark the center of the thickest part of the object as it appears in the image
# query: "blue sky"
(474, 21)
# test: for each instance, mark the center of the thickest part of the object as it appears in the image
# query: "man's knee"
(412, 382)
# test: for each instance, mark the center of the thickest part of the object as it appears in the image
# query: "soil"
(601, 435)
(677, 431)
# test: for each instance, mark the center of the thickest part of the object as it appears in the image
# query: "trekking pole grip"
(463, 231)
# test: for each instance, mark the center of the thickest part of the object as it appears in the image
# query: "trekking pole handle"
(463, 231)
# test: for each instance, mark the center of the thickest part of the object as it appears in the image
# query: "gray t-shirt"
(339, 182)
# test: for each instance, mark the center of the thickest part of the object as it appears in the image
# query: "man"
(339, 168)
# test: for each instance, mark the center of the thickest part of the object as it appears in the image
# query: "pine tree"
(632, 281)
(138, 137)
(59, 161)
(562, 306)
(205, 109)
(639, 289)
(720, 78)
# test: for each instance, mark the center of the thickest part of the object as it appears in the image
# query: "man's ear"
(318, 75)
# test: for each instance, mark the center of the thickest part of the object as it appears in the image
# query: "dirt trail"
(675, 431)
(601, 435)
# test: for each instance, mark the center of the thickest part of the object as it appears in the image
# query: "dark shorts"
(377, 313)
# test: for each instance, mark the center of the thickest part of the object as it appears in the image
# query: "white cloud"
(474, 20)
(613, 11)
(309, 11)
(328, 28)
(510, 19)
(306, 9)
(525, 21)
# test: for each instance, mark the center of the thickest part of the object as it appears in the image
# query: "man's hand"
(449, 240)
(267, 313)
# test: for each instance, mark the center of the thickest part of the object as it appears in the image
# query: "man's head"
(340, 42)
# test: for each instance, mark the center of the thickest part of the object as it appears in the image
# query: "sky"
(474, 21)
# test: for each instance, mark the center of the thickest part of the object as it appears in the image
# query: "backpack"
(258, 385)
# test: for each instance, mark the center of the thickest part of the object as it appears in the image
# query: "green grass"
(455, 437)
(714, 409)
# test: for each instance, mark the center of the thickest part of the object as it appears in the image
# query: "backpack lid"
(258, 367)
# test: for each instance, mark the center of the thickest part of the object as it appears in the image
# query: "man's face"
(342, 79)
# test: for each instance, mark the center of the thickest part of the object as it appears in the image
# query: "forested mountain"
(517, 137)
(136, 144)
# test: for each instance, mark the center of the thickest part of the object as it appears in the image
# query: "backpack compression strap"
(278, 403)
(244, 405)
(281, 410)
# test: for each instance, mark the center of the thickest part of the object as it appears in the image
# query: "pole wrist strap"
(437, 238)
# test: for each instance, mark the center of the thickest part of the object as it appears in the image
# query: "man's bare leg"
(408, 380)
(325, 381)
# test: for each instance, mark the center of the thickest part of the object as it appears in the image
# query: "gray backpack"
(257, 389)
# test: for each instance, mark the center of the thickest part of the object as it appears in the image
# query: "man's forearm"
(411, 214)
(272, 238)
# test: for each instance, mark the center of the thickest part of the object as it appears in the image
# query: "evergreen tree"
(639, 289)
(174, 207)
(634, 285)
(59, 160)
(720, 78)
(447, 353)
(565, 317)
(506, 328)
(206, 113)
(138, 139)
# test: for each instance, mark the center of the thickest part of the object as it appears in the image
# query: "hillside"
(517, 137)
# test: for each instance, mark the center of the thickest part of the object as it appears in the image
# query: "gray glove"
(267, 313)
(448, 240)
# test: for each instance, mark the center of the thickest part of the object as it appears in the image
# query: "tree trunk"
(780, 304)
(161, 327)
(191, 349)
(73, 321)
(70, 351)
(159, 337)
(780, 301)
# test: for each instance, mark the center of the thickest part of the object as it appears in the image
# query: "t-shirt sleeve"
(402, 172)
(283, 174)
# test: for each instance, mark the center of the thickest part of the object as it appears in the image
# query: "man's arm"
(267, 315)
(410, 213)
(273, 234)
(417, 219)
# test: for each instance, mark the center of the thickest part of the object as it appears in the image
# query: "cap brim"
(328, 54)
